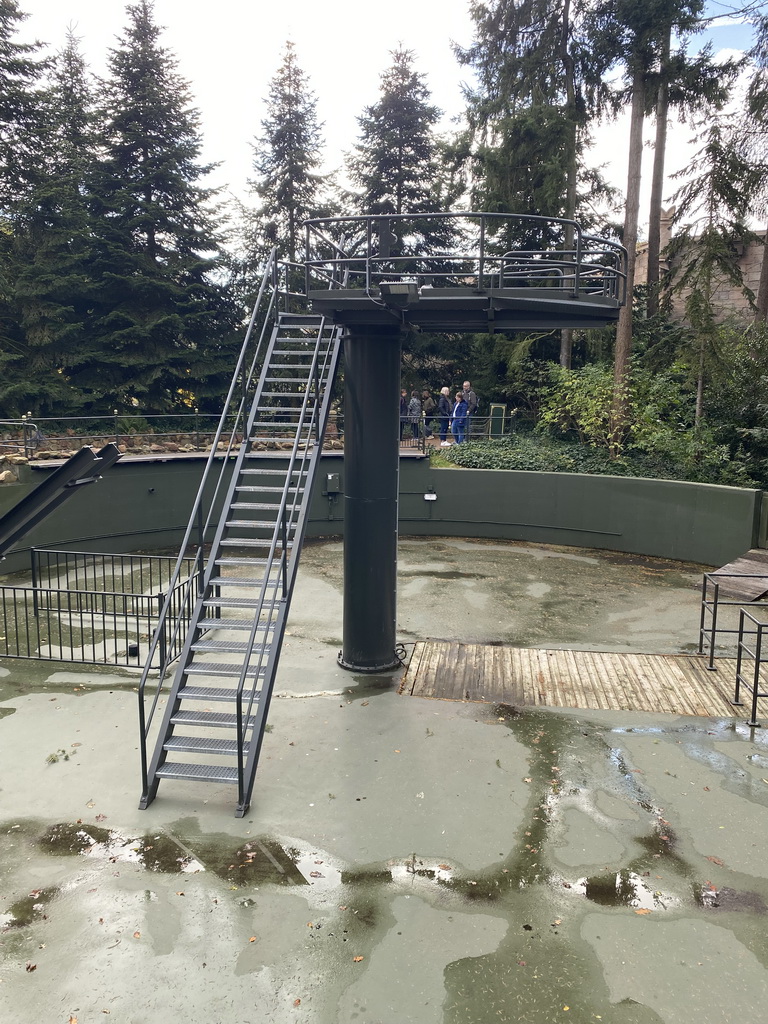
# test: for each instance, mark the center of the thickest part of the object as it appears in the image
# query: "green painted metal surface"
(145, 505)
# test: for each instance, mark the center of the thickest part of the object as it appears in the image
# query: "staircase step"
(271, 489)
(252, 542)
(202, 745)
(214, 668)
(283, 394)
(215, 719)
(266, 505)
(206, 772)
(223, 623)
(245, 560)
(258, 524)
(239, 581)
(210, 693)
(233, 602)
(228, 646)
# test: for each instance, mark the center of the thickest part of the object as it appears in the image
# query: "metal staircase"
(212, 719)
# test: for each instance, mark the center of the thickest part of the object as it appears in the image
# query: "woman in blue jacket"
(459, 418)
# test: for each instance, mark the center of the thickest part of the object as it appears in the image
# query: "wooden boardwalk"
(673, 684)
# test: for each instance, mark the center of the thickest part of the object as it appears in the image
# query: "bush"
(675, 461)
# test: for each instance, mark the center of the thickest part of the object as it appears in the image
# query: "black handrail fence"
(93, 609)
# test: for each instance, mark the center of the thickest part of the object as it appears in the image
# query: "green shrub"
(673, 458)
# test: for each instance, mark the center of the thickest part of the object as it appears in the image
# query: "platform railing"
(479, 251)
(711, 603)
(754, 678)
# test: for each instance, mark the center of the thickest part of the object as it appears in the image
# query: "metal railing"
(750, 626)
(474, 251)
(212, 488)
(710, 625)
(94, 626)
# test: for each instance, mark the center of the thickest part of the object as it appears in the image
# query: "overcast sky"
(229, 50)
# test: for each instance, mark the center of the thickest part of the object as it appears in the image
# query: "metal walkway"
(213, 718)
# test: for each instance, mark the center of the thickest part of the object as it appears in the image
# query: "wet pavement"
(404, 860)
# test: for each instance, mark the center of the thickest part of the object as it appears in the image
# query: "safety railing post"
(284, 557)
(756, 676)
(162, 639)
(33, 557)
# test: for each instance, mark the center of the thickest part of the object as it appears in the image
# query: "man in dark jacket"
(471, 399)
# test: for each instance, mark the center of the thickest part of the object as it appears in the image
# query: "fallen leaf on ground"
(180, 893)
(137, 935)
(716, 860)
(297, 1002)
(527, 780)
(643, 910)
(357, 959)
(444, 867)
(252, 938)
(72, 1019)
(29, 967)
(90, 803)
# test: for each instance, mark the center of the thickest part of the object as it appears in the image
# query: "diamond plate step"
(202, 745)
(215, 719)
(209, 772)
(209, 693)
(215, 668)
(228, 646)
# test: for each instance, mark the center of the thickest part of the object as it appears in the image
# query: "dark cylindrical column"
(371, 465)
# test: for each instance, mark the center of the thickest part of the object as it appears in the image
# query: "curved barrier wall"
(143, 503)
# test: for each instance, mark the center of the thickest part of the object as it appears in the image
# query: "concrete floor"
(404, 860)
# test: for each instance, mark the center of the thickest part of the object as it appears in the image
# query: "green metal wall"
(144, 504)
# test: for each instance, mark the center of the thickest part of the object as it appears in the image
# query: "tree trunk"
(566, 335)
(700, 386)
(657, 182)
(762, 289)
(624, 326)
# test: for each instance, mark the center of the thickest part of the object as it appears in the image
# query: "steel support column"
(371, 465)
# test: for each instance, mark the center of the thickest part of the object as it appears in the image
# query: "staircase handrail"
(268, 281)
(282, 581)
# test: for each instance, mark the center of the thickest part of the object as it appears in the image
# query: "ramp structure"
(82, 468)
(361, 277)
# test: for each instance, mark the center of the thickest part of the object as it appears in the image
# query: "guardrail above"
(483, 271)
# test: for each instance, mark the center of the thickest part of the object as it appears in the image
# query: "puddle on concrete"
(29, 909)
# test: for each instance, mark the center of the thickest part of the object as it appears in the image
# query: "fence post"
(197, 428)
(117, 435)
(162, 643)
(35, 581)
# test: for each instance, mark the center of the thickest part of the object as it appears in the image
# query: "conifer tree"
(538, 80)
(712, 208)
(394, 165)
(160, 325)
(21, 129)
(52, 290)
(287, 154)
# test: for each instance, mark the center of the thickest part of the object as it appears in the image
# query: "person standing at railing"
(470, 398)
(459, 418)
(414, 414)
(403, 411)
(429, 405)
(444, 411)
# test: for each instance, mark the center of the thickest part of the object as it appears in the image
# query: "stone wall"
(728, 299)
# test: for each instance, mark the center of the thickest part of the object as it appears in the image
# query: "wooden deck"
(745, 578)
(674, 684)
